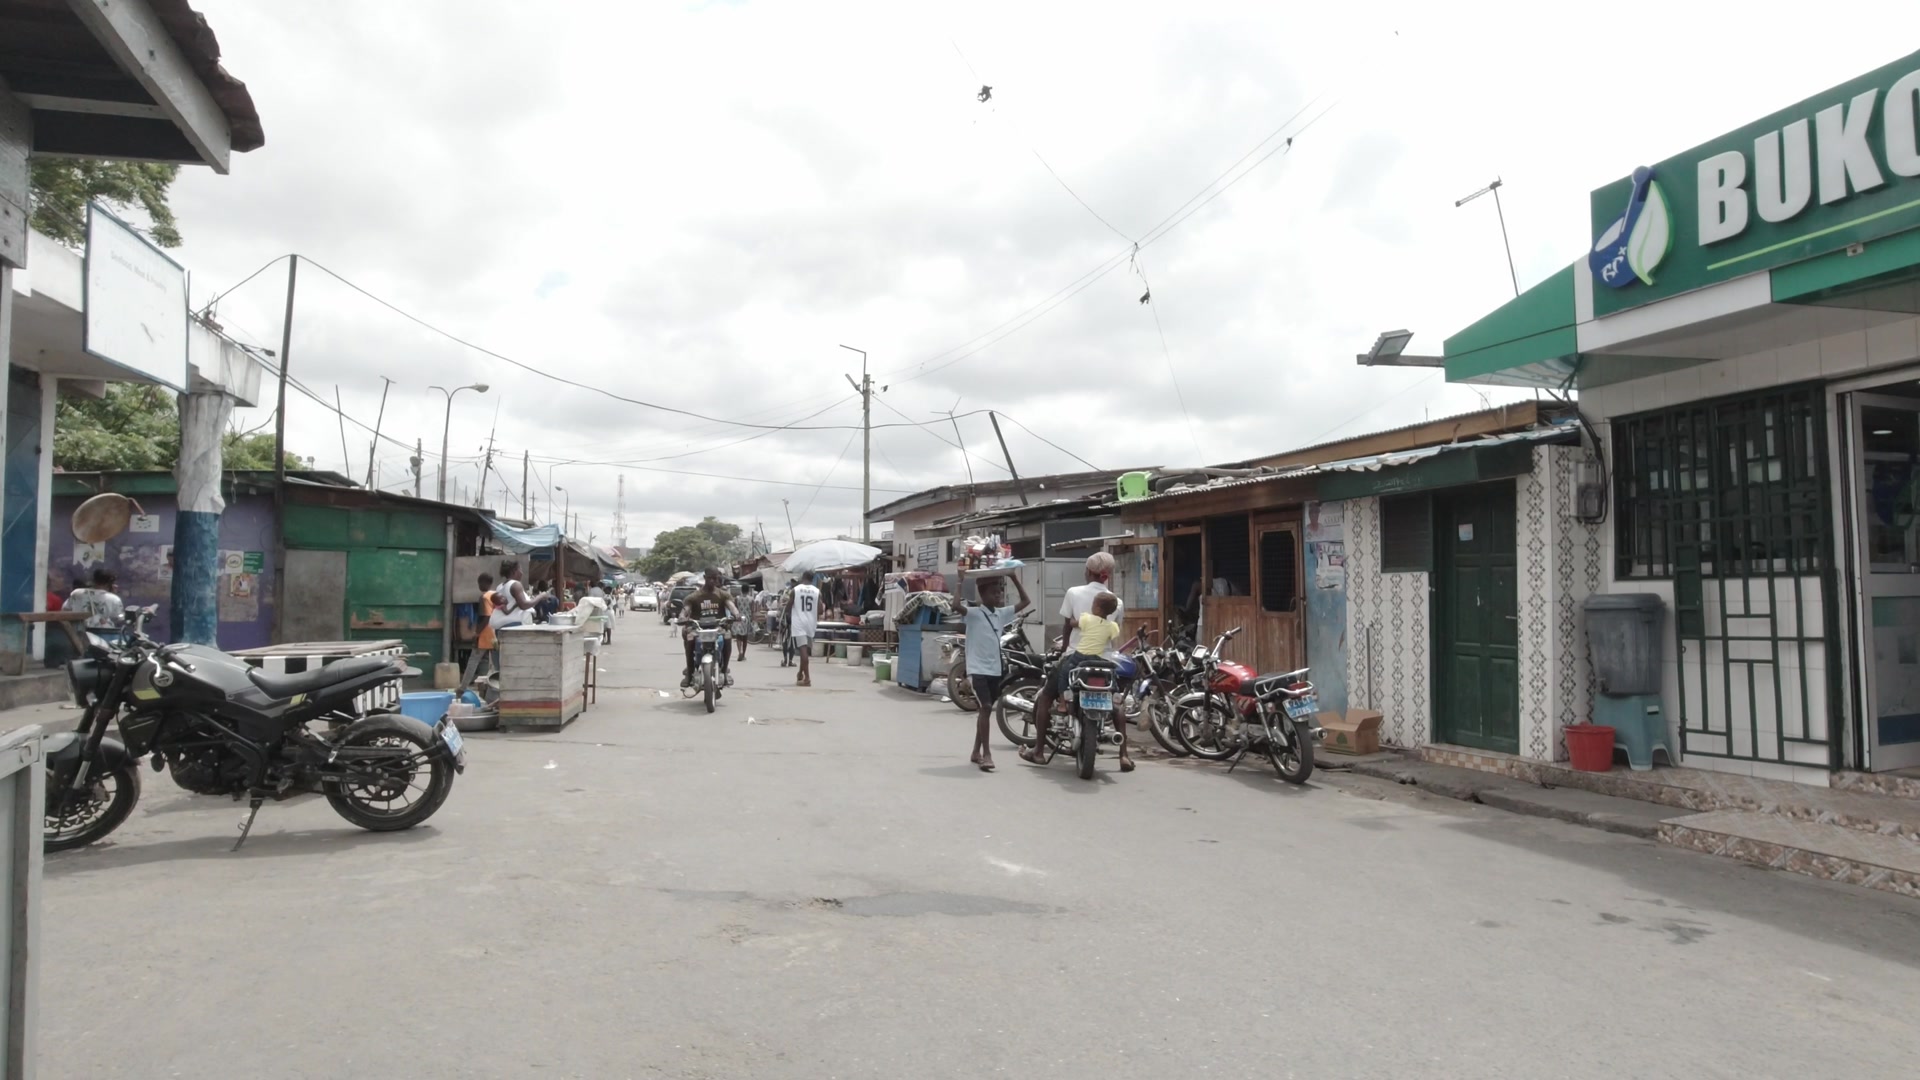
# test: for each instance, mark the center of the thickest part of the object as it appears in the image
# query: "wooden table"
(70, 621)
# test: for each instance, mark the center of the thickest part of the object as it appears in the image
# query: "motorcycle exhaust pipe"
(1020, 703)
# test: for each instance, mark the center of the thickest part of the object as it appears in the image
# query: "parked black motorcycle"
(221, 727)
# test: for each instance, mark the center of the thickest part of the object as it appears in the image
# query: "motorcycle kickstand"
(253, 811)
(1237, 758)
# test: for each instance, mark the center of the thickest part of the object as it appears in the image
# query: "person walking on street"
(1079, 601)
(485, 641)
(803, 620)
(985, 622)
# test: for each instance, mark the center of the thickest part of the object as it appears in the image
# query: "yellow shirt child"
(1096, 633)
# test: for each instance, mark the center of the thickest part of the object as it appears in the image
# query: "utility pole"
(995, 417)
(791, 538)
(340, 414)
(373, 453)
(280, 457)
(865, 386)
(620, 513)
(526, 470)
(419, 461)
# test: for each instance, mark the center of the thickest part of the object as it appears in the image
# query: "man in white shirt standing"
(1077, 602)
(803, 620)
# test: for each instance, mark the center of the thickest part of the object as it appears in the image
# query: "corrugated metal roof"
(1372, 463)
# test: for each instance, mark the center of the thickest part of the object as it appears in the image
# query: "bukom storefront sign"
(1837, 169)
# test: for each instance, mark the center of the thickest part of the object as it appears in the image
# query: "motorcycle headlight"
(87, 679)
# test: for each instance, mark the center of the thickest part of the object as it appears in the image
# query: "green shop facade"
(1743, 336)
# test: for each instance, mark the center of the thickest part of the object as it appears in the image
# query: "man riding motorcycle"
(710, 601)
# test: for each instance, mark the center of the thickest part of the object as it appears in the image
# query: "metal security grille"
(1729, 498)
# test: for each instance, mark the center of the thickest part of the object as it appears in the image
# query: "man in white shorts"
(803, 620)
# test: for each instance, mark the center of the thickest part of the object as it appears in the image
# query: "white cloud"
(697, 204)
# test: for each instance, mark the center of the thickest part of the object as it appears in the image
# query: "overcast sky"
(696, 204)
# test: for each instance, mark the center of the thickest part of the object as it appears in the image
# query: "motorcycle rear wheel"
(85, 819)
(1087, 747)
(370, 803)
(1294, 763)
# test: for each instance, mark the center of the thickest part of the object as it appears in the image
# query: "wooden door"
(1138, 582)
(1279, 621)
(1477, 619)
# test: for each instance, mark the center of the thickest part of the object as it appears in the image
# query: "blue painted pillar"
(196, 531)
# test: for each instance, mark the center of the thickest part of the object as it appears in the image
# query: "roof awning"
(1528, 341)
(521, 541)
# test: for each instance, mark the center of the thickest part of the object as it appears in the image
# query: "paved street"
(817, 884)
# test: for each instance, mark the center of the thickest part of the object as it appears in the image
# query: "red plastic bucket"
(1590, 746)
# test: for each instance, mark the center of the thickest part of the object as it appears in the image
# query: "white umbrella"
(829, 555)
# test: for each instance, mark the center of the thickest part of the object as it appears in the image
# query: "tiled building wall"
(1389, 635)
(1389, 616)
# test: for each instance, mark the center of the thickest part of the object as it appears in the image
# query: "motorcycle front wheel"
(1015, 724)
(960, 687)
(397, 779)
(88, 815)
(1293, 757)
(1202, 728)
(1158, 712)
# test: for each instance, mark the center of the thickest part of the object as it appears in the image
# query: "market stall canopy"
(829, 555)
(521, 541)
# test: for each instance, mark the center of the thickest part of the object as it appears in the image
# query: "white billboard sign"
(136, 302)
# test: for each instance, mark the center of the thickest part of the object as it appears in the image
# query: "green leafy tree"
(711, 542)
(138, 427)
(62, 187)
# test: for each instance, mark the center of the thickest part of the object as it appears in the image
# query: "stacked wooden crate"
(543, 674)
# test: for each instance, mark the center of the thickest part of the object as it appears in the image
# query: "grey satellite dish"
(103, 517)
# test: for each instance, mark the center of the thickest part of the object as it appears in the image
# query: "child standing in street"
(985, 622)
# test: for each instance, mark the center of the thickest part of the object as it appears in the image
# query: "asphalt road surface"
(816, 883)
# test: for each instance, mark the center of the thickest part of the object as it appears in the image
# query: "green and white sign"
(1837, 169)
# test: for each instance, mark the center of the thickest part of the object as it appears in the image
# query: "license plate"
(451, 736)
(1304, 705)
(1097, 700)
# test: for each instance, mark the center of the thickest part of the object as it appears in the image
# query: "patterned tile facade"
(1390, 637)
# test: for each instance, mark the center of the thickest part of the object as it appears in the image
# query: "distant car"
(644, 600)
(674, 599)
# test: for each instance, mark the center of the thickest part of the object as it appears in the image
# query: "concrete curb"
(1629, 817)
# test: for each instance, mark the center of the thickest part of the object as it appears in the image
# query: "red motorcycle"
(1239, 711)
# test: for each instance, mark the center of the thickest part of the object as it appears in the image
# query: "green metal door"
(396, 570)
(1477, 619)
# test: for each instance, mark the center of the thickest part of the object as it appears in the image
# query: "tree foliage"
(62, 187)
(137, 426)
(710, 542)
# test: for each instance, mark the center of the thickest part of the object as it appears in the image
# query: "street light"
(565, 508)
(1389, 350)
(1494, 190)
(447, 425)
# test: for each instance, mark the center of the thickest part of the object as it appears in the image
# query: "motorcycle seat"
(306, 682)
(1265, 685)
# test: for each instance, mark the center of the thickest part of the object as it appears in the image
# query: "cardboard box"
(1355, 732)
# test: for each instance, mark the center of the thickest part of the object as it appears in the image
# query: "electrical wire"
(823, 481)
(503, 358)
(208, 306)
(1090, 465)
(949, 442)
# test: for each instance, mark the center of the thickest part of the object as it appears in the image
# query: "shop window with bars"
(1406, 534)
(1729, 499)
(1733, 487)
(1279, 570)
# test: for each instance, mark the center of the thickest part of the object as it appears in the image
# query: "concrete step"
(1827, 851)
(1904, 784)
(1609, 812)
(34, 688)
